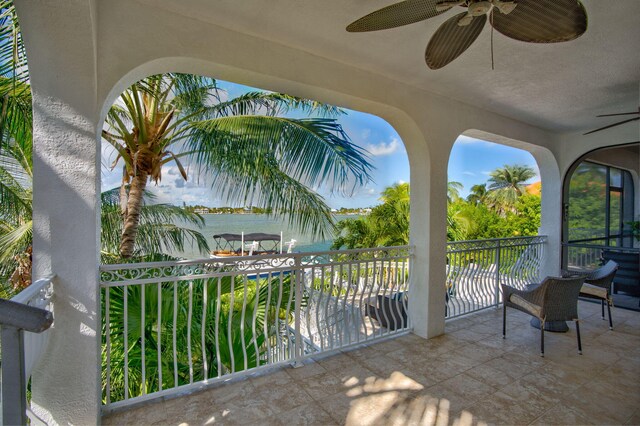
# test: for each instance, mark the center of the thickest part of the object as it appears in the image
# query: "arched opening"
(251, 306)
(600, 218)
(494, 220)
(377, 165)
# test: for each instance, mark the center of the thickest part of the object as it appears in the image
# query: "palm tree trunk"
(132, 218)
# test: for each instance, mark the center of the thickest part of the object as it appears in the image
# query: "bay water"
(238, 223)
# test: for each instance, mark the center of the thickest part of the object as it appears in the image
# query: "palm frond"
(315, 151)
(271, 104)
(14, 240)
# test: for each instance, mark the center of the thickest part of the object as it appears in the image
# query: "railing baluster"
(174, 334)
(254, 316)
(217, 326)
(107, 331)
(159, 348)
(203, 328)
(497, 286)
(242, 320)
(125, 289)
(230, 323)
(143, 337)
(266, 324)
(189, 323)
(299, 292)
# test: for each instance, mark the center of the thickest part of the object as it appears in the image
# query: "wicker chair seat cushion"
(526, 305)
(593, 290)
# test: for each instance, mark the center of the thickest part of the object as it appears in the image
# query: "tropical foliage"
(191, 331)
(386, 225)
(15, 153)
(486, 213)
(251, 151)
(506, 185)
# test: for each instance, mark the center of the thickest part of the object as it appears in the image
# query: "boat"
(257, 245)
(250, 244)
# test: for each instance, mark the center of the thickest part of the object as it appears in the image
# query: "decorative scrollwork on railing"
(171, 271)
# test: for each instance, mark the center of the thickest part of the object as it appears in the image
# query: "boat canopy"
(255, 236)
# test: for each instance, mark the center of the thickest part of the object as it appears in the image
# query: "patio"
(470, 375)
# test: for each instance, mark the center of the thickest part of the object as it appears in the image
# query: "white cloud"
(468, 173)
(381, 149)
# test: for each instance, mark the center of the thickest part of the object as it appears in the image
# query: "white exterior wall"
(83, 54)
(66, 385)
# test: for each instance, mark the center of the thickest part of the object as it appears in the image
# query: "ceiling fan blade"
(622, 113)
(398, 14)
(612, 125)
(451, 40)
(543, 21)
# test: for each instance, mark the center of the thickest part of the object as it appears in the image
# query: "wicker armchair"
(597, 285)
(555, 299)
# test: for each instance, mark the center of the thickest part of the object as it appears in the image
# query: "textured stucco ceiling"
(561, 87)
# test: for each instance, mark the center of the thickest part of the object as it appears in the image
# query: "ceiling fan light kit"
(531, 21)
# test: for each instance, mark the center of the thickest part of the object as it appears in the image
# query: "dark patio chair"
(555, 299)
(597, 285)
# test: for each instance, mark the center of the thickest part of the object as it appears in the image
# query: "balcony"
(468, 376)
(227, 331)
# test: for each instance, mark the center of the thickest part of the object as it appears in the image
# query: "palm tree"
(478, 194)
(386, 225)
(453, 191)
(16, 212)
(251, 152)
(506, 185)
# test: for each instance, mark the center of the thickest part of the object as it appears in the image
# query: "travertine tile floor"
(468, 376)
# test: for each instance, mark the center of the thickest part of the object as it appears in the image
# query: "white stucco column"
(60, 41)
(551, 211)
(428, 236)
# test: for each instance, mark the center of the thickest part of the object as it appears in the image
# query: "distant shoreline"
(350, 212)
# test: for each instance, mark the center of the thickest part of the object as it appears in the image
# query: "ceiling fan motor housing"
(480, 8)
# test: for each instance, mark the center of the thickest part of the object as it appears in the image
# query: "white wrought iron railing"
(476, 268)
(169, 327)
(24, 339)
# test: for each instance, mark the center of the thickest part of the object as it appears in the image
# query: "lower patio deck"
(468, 376)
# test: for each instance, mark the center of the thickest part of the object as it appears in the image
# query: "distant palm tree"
(398, 192)
(478, 194)
(506, 185)
(386, 225)
(253, 154)
(453, 191)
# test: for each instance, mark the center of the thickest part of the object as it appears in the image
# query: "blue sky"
(470, 163)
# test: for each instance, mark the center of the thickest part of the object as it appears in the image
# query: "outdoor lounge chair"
(555, 299)
(597, 285)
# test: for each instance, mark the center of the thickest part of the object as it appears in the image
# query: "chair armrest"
(570, 274)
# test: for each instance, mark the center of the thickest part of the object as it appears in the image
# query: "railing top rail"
(236, 259)
(485, 240)
(32, 291)
(610, 237)
(610, 248)
(24, 317)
